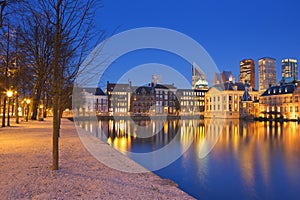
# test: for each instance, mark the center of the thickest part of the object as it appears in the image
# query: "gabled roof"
(146, 89)
(246, 96)
(117, 87)
(277, 90)
(232, 86)
(94, 91)
(165, 86)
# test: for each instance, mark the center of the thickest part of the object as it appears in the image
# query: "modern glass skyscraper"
(247, 72)
(266, 73)
(289, 70)
(198, 78)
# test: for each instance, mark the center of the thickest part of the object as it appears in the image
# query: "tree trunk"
(56, 83)
(36, 100)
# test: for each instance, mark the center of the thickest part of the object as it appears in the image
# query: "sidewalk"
(25, 169)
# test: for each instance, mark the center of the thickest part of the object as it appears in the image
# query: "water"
(248, 160)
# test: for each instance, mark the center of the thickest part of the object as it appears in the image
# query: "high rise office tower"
(225, 76)
(289, 70)
(247, 72)
(198, 78)
(266, 73)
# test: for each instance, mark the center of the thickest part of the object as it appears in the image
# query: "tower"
(198, 78)
(266, 73)
(289, 70)
(247, 72)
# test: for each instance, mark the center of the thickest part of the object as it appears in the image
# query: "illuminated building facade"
(249, 109)
(223, 100)
(142, 100)
(191, 101)
(247, 72)
(165, 99)
(118, 98)
(95, 100)
(280, 102)
(266, 73)
(289, 70)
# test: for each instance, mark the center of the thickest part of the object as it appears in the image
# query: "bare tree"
(56, 36)
(73, 21)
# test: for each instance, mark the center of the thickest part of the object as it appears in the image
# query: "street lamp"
(9, 94)
(28, 102)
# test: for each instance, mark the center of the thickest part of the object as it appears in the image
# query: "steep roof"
(246, 96)
(277, 90)
(146, 89)
(117, 87)
(165, 86)
(232, 86)
(94, 91)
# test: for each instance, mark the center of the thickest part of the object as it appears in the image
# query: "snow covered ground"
(25, 169)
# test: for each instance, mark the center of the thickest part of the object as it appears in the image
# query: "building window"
(235, 107)
(296, 99)
(291, 109)
(230, 98)
(291, 99)
(296, 109)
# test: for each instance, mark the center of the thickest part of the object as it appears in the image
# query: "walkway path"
(25, 169)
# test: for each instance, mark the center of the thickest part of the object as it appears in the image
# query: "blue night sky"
(229, 30)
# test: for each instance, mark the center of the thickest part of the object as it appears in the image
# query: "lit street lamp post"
(9, 95)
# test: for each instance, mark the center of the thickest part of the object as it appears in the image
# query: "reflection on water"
(227, 159)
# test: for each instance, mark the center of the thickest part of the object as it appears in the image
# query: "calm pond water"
(226, 159)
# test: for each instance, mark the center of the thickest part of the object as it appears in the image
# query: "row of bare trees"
(43, 42)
